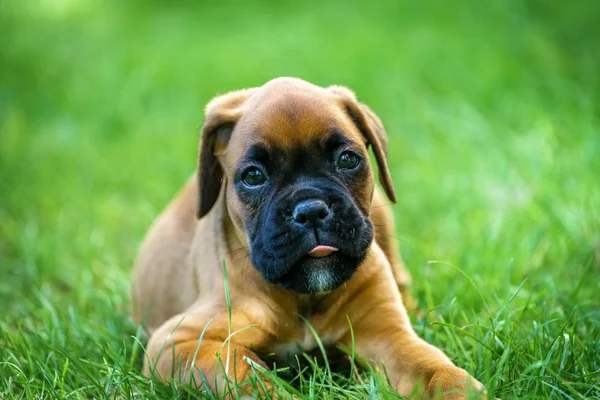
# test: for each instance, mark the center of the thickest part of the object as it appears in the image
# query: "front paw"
(453, 383)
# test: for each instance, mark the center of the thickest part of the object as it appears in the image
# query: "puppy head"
(293, 161)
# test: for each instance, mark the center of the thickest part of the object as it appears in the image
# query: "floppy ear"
(222, 113)
(371, 127)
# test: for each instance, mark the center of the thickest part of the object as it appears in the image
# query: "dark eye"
(254, 177)
(348, 160)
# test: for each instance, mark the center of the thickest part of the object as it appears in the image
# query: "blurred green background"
(493, 117)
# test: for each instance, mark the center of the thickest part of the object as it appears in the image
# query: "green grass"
(492, 112)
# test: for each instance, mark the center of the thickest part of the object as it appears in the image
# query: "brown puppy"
(284, 198)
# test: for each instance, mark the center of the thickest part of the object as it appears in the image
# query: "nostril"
(323, 213)
(301, 218)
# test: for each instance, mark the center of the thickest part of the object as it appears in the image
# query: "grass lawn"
(493, 117)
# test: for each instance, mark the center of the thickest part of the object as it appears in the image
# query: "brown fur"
(178, 277)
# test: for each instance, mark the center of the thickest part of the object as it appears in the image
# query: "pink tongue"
(321, 251)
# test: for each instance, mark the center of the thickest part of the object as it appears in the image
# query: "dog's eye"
(254, 177)
(348, 160)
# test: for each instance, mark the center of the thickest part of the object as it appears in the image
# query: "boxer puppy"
(285, 199)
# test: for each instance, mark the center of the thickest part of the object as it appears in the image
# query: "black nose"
(310, 213)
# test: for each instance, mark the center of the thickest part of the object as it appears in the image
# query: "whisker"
(230, 252)
(240, 259)
(380, 205)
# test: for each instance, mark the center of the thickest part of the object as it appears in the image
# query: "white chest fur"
(306, 342)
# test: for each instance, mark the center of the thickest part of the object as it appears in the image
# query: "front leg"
(413, 365)
(383, 335)
(175, 351)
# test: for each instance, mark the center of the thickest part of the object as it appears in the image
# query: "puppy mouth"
(322, 251)
(305, 263)
(322, 271)
(319, 255)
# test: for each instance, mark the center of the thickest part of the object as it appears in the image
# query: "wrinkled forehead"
(293, 121)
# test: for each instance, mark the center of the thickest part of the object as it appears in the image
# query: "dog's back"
(163, 283)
